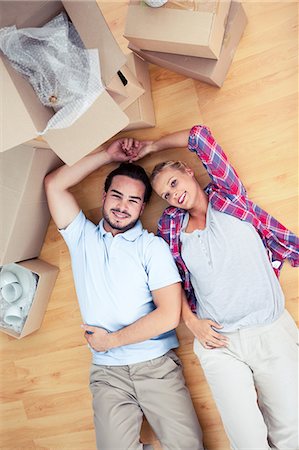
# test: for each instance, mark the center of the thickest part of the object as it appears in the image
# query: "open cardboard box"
(197, 32)
(22, 114)
(47, 275)
(23, 205)
(208, 70)
(141, 113)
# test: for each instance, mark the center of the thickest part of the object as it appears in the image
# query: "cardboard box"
(23, 115)
(23, 205)
(47, 275)
(117, 87)
(141, 113)
(133, 88)
(208, 70)
(179, 31)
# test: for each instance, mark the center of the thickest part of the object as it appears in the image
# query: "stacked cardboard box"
(193, 28)
(199, 64)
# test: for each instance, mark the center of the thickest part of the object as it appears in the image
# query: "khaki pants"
(255, 385)
(155, 388)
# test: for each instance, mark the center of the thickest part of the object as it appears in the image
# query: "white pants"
(254, 382)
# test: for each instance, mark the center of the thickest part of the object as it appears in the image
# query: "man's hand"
(123, 150)
(203, 331)
(144, 148)
(97, 338)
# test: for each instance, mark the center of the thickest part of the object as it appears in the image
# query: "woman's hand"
(204, 332)
(144, 148)
(122, 149)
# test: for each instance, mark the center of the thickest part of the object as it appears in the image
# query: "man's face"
(122, 204)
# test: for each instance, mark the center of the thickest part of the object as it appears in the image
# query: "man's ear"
(104, 196)
(142, 209)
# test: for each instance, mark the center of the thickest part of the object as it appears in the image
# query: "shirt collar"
(129, 235)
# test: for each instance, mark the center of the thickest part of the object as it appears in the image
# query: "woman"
(229, 253)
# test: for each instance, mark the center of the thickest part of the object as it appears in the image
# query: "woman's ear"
(189, 171)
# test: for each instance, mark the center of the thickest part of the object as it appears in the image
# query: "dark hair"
(132, 171)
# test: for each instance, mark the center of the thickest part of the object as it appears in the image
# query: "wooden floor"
(44, 377)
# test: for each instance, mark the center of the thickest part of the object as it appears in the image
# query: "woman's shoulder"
(172, 212)
(171, 216)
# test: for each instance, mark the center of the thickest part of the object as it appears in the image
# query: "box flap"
(117, 87)
(16, 124)
(141, 113)
(103, 120)
(26, 238)
(47, 276)
(24, 210)
(95, 33)
(133, 89)
(29, 13)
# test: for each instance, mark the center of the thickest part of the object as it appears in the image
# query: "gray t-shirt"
(234, 282)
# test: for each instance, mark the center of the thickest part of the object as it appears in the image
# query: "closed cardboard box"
(22, 114)
(210, 71)
(46, 277)
(141, 113)
(195, 32)
(23, 205)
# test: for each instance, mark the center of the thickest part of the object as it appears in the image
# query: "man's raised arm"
(63, 205)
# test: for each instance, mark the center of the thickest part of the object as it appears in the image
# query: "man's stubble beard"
(115, 226)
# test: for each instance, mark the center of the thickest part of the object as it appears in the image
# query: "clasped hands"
(129, 149)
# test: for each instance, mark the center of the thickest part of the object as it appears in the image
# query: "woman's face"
(178, 187)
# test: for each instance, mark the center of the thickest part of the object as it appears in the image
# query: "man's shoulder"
(147, 236)
(150, 241)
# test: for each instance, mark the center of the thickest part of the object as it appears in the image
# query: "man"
(129, 293)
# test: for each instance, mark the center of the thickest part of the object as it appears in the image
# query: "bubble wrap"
(64, 75)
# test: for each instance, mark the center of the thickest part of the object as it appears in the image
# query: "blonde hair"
(178, 165)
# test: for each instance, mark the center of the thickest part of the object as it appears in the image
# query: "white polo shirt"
(114, 277)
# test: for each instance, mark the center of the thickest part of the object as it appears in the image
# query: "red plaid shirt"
(226, 194)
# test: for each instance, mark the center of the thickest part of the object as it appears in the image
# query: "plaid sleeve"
(224, 177)
(163, 230)
(165, 225)
(282, 243)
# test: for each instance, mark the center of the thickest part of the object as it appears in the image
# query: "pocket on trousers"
(164, 366)
(174, 358)
(290, 331)
(97, 374)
